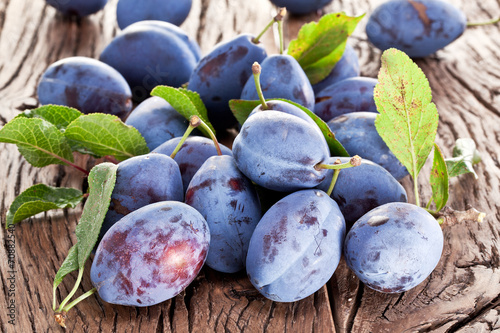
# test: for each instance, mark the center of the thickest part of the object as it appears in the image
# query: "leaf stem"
(79, 299)
(256, 70)
(194, 122)
(73, 291)
(415, 189)
(475, 24)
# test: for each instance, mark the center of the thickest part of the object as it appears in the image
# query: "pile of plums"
(170, 215)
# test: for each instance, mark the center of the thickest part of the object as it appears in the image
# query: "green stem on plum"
(194, 122)
(212, 136)
(73, 291)
(256, 40)
(281, 15)
(475, 24)
(337, 166)
(353, 162)
(79, 299)
(333, 182)
(277, 18)
(256, 70)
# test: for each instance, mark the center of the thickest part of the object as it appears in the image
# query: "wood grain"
(461, 295)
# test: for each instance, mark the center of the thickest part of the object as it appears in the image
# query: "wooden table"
(462, 294)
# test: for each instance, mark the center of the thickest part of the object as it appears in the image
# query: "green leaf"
(439, 179)
(40, 142)
(69, 265)
(102, 180)
(318, 71)
(60, 116)
(465, 155)
(41, 198)
(320, 45)
(242, 108)
(407, 119)
(104, 134)
(186, 102)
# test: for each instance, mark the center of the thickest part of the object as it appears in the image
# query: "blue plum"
(221, 74)
(78, 7)
(296, 246)
(172, 28)
(172, 11)
(349, 95)
(148, 55)
(418, 28)
(360, 189)
(301, 7)
(87, 85)
(280, 151)
(277, 105)
(157, 121)
(229, 203)
(150, 255)
(357, 133)
(282, 77)
(394, 247)
(193, 153)
(346, 67)
(140, 181)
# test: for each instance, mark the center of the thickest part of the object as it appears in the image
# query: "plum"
(172, 11)
(148, 55)
(416, 27)
(346, 67)
(282, 77)
(157, 121)
(86, 84)
(150, 255)
(394, 247)
(221, 74)
(193, 153)
(357, 133)
(296, 246)
(358, 190)
(172, 28)
(349, 95)
(277, 105)
(229, 203)
(142, 180)
(78, 7)
(301, 7)
(280, 151)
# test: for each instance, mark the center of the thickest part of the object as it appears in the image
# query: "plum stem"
(277, 18)
(333, 182)
(79, 299)
(475, 24)
(73, 291)
(353, 162)
(256, 70)
(212, 136)
(194, 122)
(281, 15)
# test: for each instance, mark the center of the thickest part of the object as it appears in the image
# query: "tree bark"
(461, 295)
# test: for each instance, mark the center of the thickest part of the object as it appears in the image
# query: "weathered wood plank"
(461, 295)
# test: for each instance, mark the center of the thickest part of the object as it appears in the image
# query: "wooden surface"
(462, 294)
